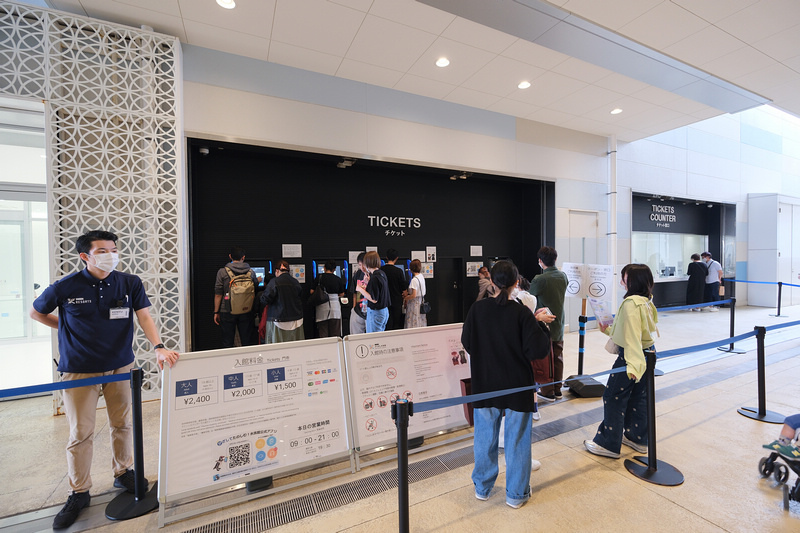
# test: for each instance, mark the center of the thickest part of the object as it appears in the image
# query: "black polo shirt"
(95, 332)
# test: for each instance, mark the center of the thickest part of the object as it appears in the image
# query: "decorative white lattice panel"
(114, 145)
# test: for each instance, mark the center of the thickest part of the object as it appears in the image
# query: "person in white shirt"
(414, 296)
(713, 280)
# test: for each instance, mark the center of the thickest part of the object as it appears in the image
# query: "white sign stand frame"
(174, 502)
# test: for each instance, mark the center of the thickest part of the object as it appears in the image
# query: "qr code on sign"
(239, 455)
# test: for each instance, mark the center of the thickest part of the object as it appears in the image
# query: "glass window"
(667, 254)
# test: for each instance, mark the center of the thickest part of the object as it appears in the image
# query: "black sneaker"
(558, 395)
(127, 481)
(69, 513)
(547, 397)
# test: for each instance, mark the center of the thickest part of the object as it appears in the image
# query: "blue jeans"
(376, 319)
(624, 410)
(517, 451)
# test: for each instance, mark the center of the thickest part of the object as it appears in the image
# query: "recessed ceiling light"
(616, 111)
(227, 4)
(524, 84)
(442, 62)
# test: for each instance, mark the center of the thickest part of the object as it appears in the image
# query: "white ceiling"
(666, 63)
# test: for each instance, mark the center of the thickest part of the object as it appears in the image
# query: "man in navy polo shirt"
(95, 338)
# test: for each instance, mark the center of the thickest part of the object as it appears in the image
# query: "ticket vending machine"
(263, 270)
(342, 269)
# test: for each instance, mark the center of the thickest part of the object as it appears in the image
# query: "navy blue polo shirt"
(89, 339)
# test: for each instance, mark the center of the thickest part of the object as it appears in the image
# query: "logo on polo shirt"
(78, 301)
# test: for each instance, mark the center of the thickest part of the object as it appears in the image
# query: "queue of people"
(382, 299)
(512, 327)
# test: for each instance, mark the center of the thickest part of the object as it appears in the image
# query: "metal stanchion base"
(721, 349)
(665, 474)
(657, 372)
(125, 506)
(780, 316)
(770, 417)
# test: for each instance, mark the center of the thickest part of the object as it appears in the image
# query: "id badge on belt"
(119, 312)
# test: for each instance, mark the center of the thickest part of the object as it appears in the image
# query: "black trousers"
(246, 325)
(396, 318)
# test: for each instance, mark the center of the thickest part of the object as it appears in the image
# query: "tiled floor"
(699, 432)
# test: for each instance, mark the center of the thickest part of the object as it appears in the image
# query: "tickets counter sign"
(254, 411)
(418, 365)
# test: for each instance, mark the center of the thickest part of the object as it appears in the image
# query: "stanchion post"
(401, 410)
(581, 341)
(731, 349)
(126, 505)
(761, 412)
(137, 379)
(651, 469)
(780, 292)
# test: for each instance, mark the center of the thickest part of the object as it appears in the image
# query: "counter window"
(667, 254)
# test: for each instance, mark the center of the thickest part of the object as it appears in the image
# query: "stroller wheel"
(781, 473)
(765, 467)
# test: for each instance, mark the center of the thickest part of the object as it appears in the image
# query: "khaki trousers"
(80, 406)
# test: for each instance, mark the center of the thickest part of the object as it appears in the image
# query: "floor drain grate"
(325, 500)
(348, 493)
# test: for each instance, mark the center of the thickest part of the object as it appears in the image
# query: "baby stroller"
(780, 471)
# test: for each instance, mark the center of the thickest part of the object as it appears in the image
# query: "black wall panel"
(260, 198)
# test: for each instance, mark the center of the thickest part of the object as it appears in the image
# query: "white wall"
(722, 159)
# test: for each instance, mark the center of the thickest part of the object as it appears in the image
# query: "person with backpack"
(234, 300)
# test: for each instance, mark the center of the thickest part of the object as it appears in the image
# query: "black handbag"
(320, 295)
(424, 307)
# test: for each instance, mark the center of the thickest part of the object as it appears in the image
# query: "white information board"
(589, 281)
(419, 364)
(575, 285)
(251, 411)
(599, 281)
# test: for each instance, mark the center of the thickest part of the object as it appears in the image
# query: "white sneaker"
(535, 465)
(713, 309)
(536, 415)
(596, 449)
(641, 448)
(516, 505)
(481, 498)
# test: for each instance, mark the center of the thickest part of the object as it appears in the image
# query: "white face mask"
(106, 262)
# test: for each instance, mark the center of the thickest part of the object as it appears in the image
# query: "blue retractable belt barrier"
(747, 281)
(787, 325)
(693, 306)
(458, 400)
(48, 387)
(706, 346)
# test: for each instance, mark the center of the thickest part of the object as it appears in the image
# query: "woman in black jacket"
(503, 337)
(697, 273)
